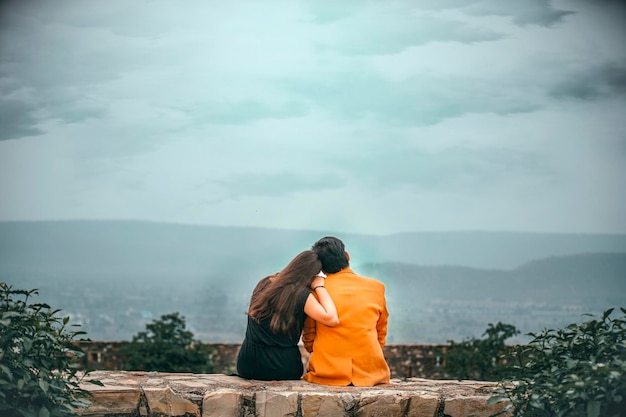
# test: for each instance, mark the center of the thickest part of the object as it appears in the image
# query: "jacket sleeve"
(308, 334)
(381, 325)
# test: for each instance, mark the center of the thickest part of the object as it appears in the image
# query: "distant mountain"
(439, 303)
(114, 276)
(490, 250)
(161, 249)
(563, 278)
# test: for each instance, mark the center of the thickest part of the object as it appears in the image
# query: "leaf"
(607, 313)
(28, 344)
(593, 409)
(44, 385)
(496, 399)
(7, 371)
(43, 412)
(96, 382)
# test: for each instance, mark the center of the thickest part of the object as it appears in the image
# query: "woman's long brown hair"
(277, 297)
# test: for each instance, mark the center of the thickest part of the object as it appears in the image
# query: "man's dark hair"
(332, 253)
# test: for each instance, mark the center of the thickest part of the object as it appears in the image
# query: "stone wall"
(405, 361)
(151, 394)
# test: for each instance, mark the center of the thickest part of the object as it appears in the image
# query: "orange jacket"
(351, 352)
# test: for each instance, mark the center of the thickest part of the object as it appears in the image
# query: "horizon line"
(324, 232)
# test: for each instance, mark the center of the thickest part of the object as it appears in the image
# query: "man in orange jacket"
(352, 352)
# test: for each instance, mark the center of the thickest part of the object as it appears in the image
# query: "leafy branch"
(39, 369)
(577, 371)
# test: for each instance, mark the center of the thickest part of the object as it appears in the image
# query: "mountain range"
(114, 276)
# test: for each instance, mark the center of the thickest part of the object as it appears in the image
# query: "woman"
(278, 307)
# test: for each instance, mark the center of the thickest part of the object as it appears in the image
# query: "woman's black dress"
(269, 356)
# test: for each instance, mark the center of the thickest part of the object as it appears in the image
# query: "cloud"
(137, 19)
(247, 111)
(538, 12)
(324, 12)
(99, 59)
(385, 28)
(273, 184)
(49, 56)
(17, 120)
(460, 169)
(608, 80)
(417, 101)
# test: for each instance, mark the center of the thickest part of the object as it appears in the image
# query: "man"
(352, 352)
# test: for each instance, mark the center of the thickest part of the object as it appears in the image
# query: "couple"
(342, 320)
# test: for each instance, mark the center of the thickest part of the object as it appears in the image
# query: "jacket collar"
(346, 270)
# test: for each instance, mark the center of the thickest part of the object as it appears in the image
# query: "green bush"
(578, 371)
(38, 360)
(479, 359)
(166, 346)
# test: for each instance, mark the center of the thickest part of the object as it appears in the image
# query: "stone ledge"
(147, 394)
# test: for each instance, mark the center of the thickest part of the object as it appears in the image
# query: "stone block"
(119, 400)
(222, 403)
(276, 404)
(162, 400)
(320, 404)
(423, 405)
(469, 406)
(382, 403)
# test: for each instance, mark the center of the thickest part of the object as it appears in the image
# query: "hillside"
(556, 279)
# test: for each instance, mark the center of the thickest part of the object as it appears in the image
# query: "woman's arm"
(321, 309)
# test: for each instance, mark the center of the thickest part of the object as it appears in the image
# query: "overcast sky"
(351, 116)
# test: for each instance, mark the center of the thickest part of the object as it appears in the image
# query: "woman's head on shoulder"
(278, 296)
(302, 269)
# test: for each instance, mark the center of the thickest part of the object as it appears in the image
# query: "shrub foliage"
(166, 346)
(577, 371)
(38, 360)
(479, 359)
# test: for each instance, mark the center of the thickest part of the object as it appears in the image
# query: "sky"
(372, 117)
